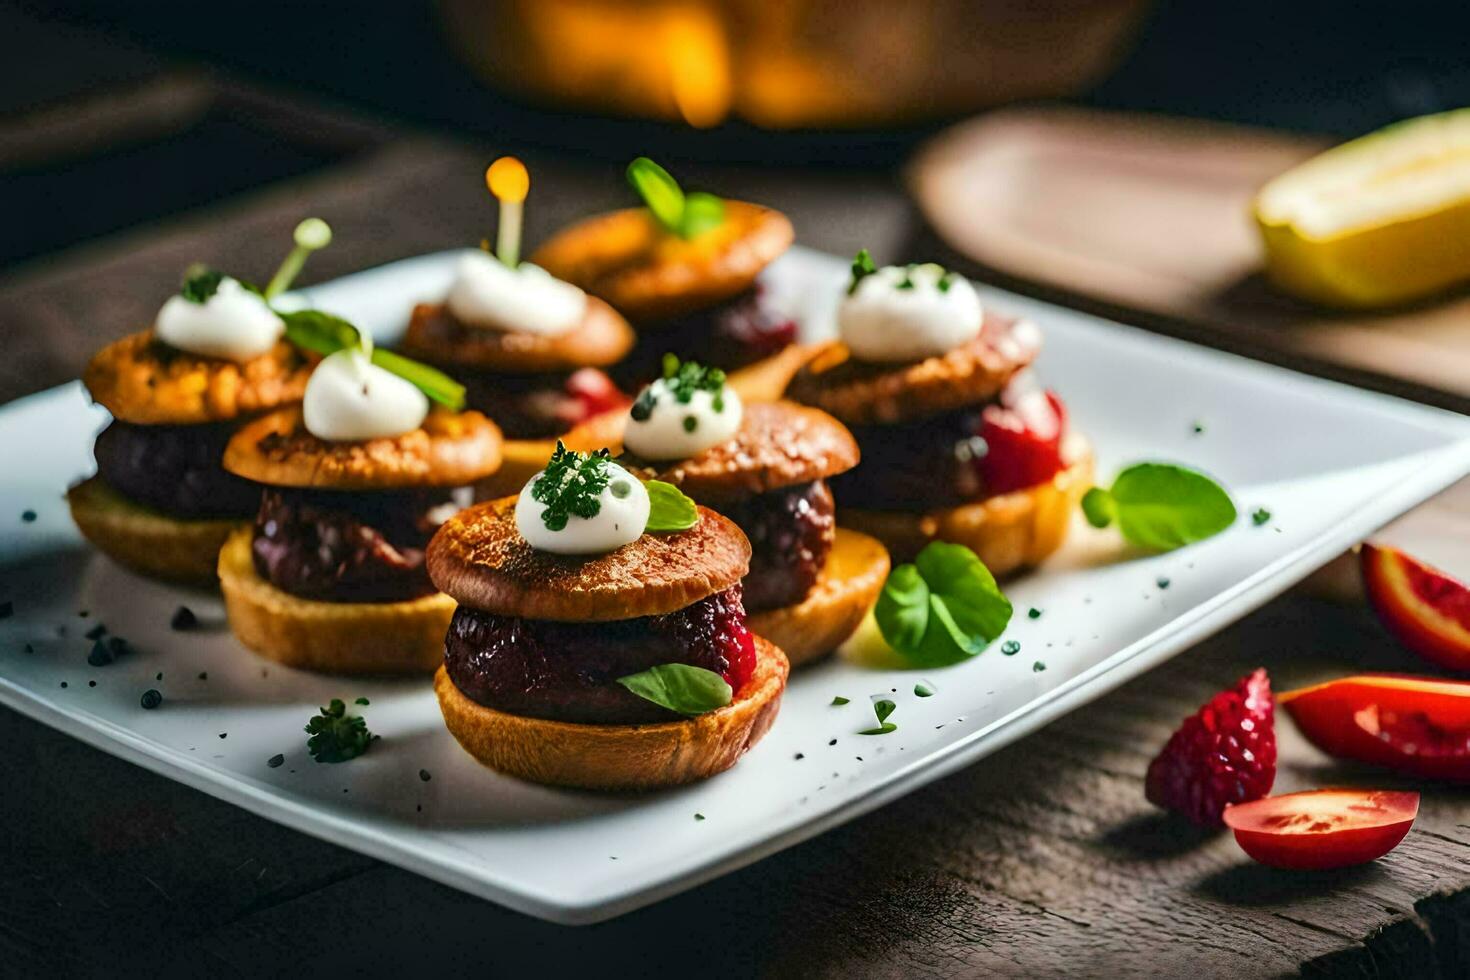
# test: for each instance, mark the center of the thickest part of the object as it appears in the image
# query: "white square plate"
(1330, 463)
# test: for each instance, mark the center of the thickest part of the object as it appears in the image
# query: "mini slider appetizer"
(216, 355)
(356, 480)
(600, 639)
(959, 442)
(528, 346)
(684, 270)
(765, 466)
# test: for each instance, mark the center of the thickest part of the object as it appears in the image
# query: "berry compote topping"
(568, 671)
(958, 457)
(539, 406)
(729, 335)
(790, 532)
(342, 546)
(175, 469)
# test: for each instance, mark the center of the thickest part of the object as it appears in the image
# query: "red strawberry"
(1225, 753)
(592, 393)
(1023, 437)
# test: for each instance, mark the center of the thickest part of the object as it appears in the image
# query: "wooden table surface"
(1042, 859)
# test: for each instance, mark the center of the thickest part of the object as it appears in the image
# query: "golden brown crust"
(450, 449)
(860, 393)
(142, 380)
(618, 757)
(1009, 532)
(778, 444)
(434, 335)
(330, 637)
(650, 275)
(849, 584)
(154, 544)
(480, 558)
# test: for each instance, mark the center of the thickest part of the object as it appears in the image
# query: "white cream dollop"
(527, 299)
(677, 430)
(887, 321)
(235, 324)
(349, 398)
(620, 519)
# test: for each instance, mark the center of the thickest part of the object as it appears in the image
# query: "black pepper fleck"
(183, 619)
(151, 699)
(101, 655)
(833, 742)
(1163, 583)
(276, 761)
(1038, 667)
(96, 632)
(29, 516)
(425, 775)
(91, 683)
(800, 756)
(204, 675)
(224, 734)
(7, 609)
(63, 683)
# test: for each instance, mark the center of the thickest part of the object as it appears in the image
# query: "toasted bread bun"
(766, 380)
(451, 449)
(1008, 532)
(434, 335)
(619, 757)
(145, 540)
(848, 586)
(778, 444)
(142, 380)
(649, 275)
(479, 557)
(331, 637)
(861, 393)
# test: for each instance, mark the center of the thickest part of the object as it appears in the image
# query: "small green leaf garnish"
(324, 334)
(882, 708)
(839, 700)
(685, 215)
(1161, 506)
(942, 609)
(862, 268)
(1033, 613)
(668, 508)
(681, 688)
(922, 690)
(200, 283)
(337, 736)
(1260, 516)
(570, 485)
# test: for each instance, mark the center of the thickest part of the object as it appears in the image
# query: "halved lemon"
(1380, 220)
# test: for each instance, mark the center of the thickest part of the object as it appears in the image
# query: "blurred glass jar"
(784, 64)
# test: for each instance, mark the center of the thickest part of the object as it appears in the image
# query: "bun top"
(434, 335)
(480, 559)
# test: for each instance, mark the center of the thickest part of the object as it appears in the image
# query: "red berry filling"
(1023, 438)
(569, 671)
(1225, 753)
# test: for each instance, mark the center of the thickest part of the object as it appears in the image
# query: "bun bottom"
(330, 637)
(846, 589)
(145, 540)
(1008, 532)
(618, 757)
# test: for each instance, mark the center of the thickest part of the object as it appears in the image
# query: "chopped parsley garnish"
(1010, 648)
(684, 378)
(1161, 506)
(862, 268)
(570, 485)
(1033, 613)
(942, 609)
(337, 736)
(923, 690)
(840, 700)
(200, 283)
(1260, 516)
(1038, 667)
(882, 708)
(907, 282)
(1162, 582)
(362, 701)
(699, 816)
(643, 407)
(276, 761)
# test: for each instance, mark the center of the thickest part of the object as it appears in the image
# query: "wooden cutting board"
(1147, 218)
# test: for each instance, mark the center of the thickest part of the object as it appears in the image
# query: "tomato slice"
(1322, 828)
(1415, 725)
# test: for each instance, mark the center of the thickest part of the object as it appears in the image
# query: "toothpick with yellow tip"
(310, 235)
(509, 182)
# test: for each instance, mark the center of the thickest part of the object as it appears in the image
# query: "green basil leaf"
(680, 687)
(942, 609)
(439, 386)
(702, 212)
(1098, 508)
(1162, 506)
(324, 334)
(660, 192)
(668, 508)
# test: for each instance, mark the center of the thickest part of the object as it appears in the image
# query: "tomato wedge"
(1415, 725)
(1322, 828)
